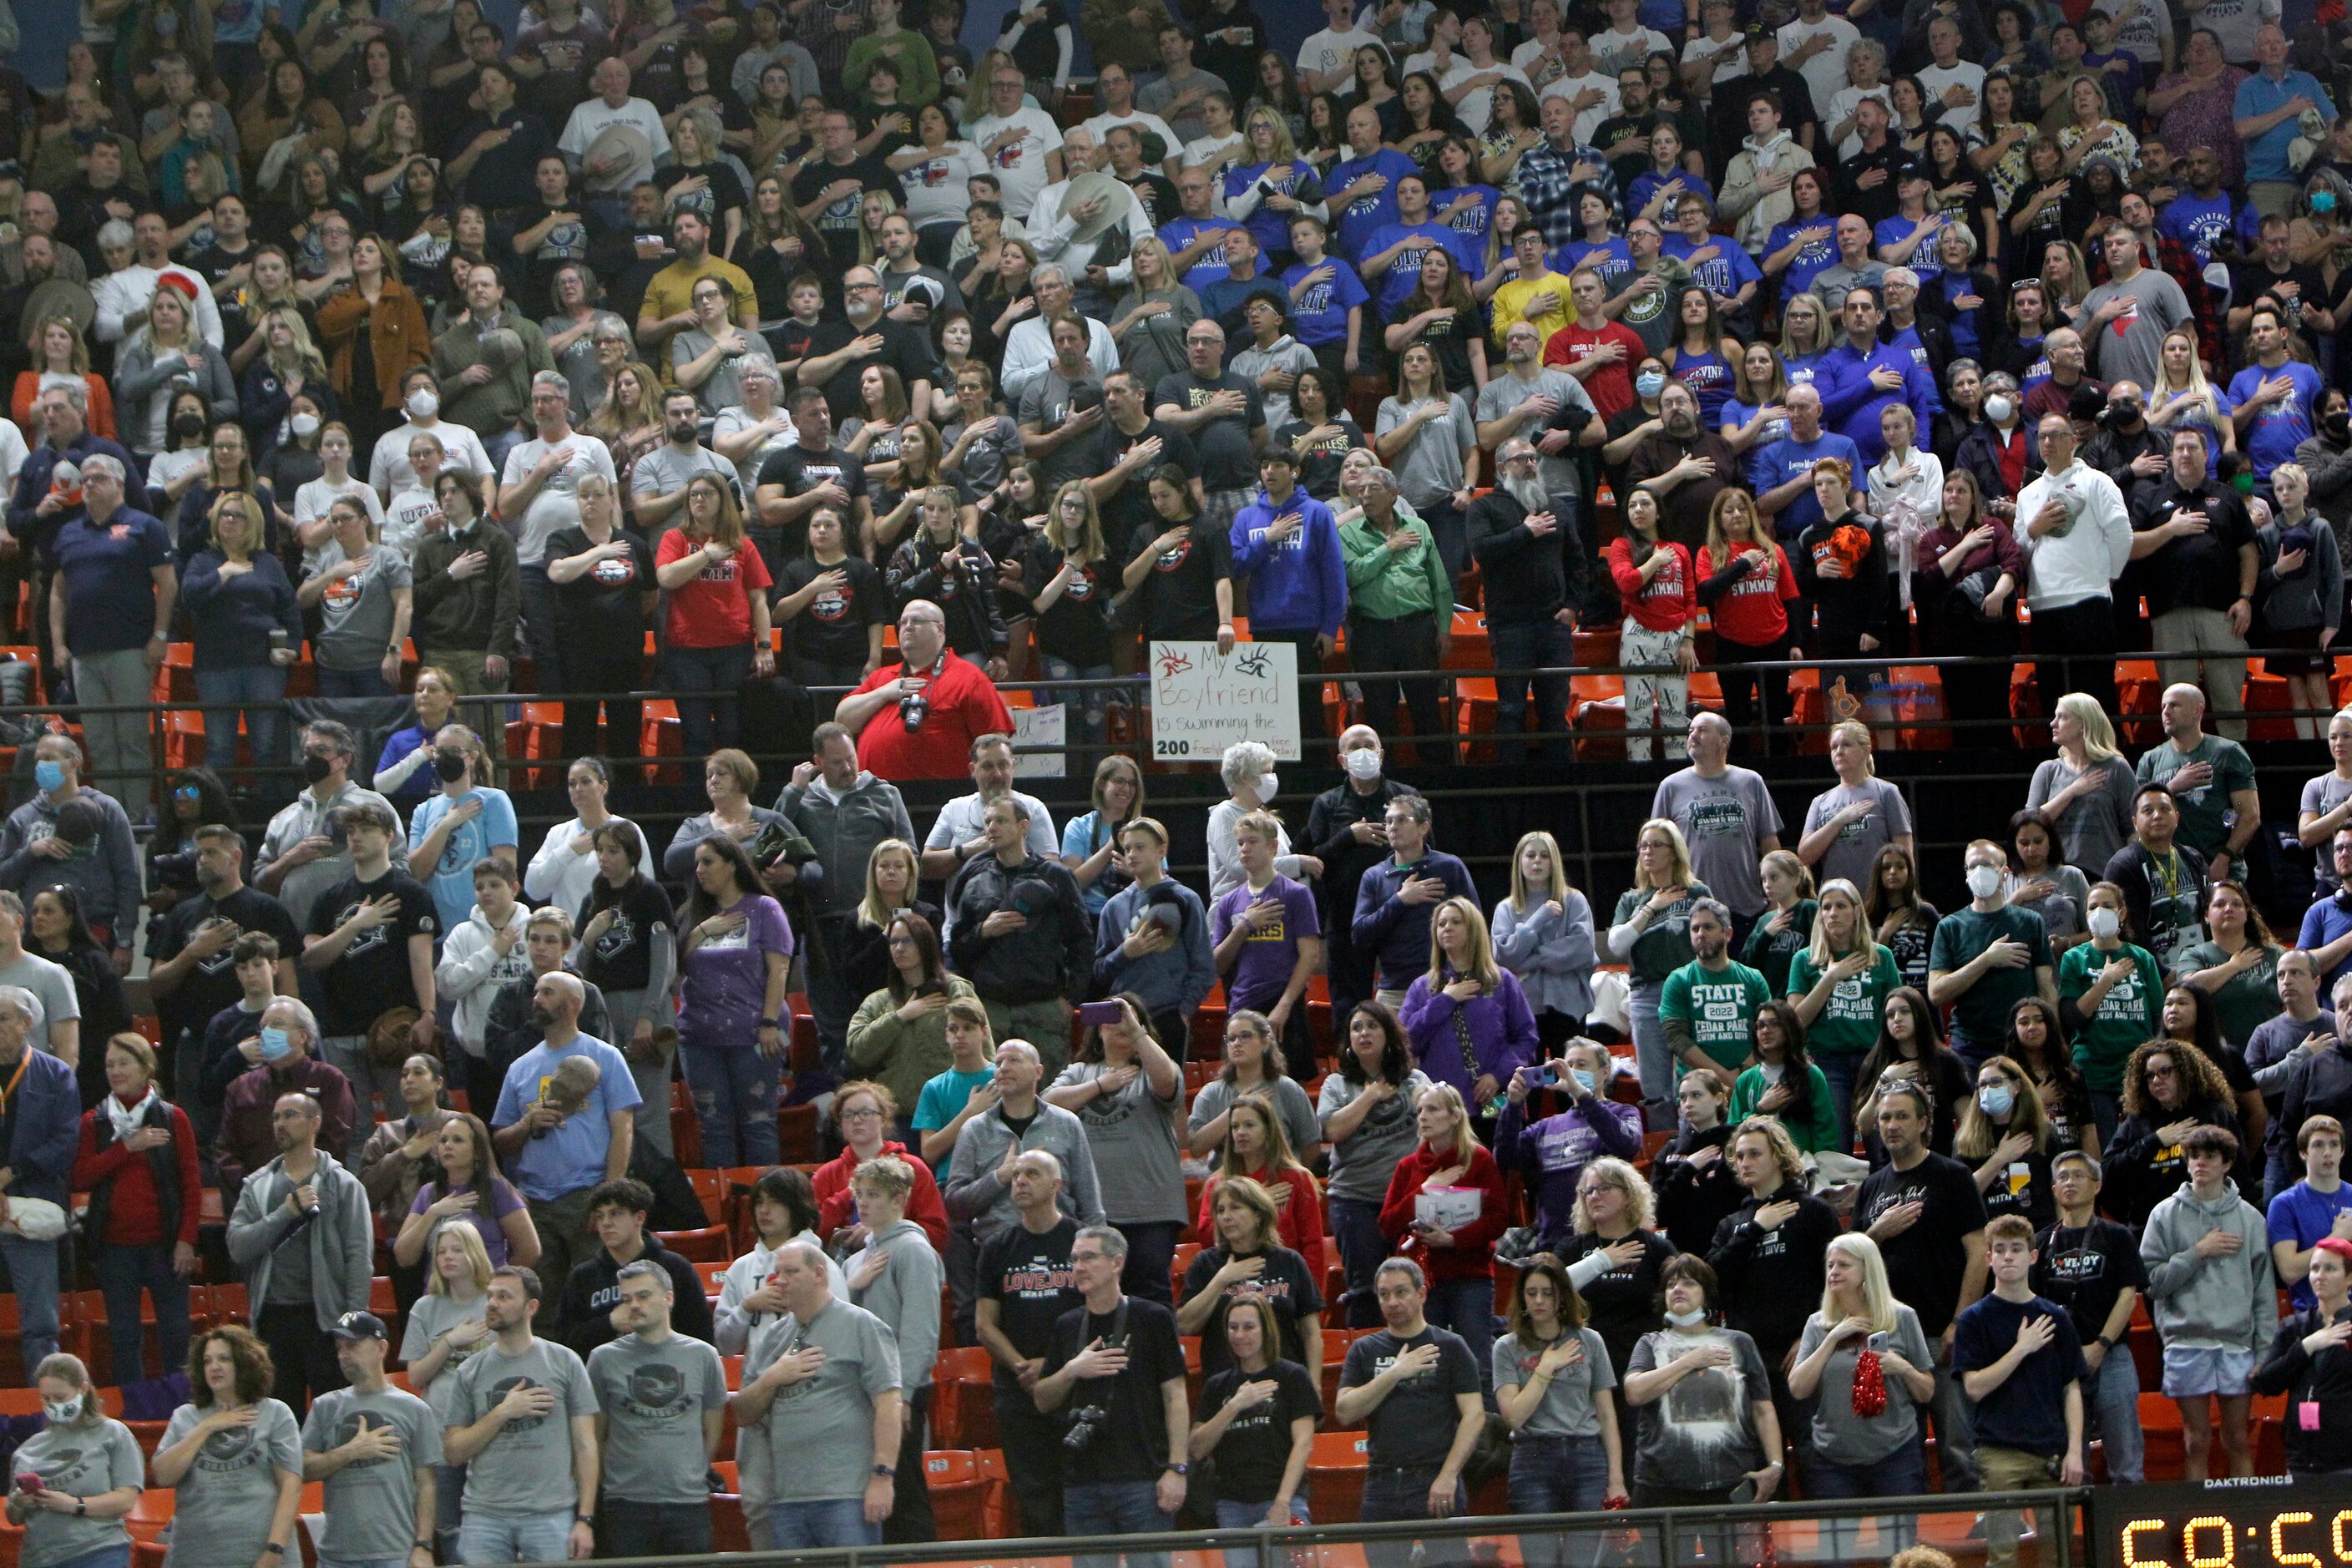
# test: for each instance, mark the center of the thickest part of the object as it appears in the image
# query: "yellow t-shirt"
(1511, 298)
(671, 293)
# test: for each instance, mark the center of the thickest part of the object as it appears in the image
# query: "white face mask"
(63, 1409)
(1269, 787)
(423, 405)
(2104, 923)
(304, 426)
(1985, 881)
(1364, 764)
(1686, 1320)
(1998, 409)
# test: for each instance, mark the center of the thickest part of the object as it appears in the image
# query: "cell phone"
(1094, 1014)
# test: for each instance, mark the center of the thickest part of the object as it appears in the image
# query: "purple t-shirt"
(1269, 954)
(724, 993)
(484, 1217)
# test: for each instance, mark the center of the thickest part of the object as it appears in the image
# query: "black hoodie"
(1694, 1199)
(585, 1320)
(1769, 1282)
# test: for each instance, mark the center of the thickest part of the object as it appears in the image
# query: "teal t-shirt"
(1848, 1023)
(1717, 1005)
(1982, 1013)
(945, 1095)
(1664, 945)
(2129, 1015)
(2204, 812)
(2247, 1002)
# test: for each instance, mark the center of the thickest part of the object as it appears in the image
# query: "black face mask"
(450, 765)
(2336, 424)
(315, 768)
(188, 425)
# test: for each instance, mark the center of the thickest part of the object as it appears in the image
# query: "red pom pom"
(1869, 1386)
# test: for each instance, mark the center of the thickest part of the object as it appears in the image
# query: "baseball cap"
(360, 1326)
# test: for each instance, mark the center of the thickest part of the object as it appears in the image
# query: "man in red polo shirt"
(918, 720)
(1598, 351)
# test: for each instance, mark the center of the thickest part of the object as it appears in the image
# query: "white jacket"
(470, 971)
(2081, 562)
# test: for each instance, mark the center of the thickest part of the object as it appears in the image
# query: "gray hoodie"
(844, 829)
(342, 1239)
(1285, 352)
(2229, 1301)
(2311, 599)
(906, 1296)
(105, 876)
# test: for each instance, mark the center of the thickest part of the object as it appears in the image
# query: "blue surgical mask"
(49, 775)
(1583, 1079)
(1998, 1099)
(2323, 201)
(1650, 383)
(276, 1045)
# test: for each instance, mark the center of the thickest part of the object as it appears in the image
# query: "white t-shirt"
(405, 519)
(1019, 165)
(1101, 126)
(937, 189)
(1477, 105)
(1330, 49)
(312, 499)
(1841, 109)
(588, 121)
(1589, 121)
(2137, 34)
(1214, 150)
(1824, 74)
(1940, 79)
(1613, 51)
(1731, 69)
(389, 469)
(557, 503)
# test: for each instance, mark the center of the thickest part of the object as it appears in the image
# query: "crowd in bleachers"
(373, 367)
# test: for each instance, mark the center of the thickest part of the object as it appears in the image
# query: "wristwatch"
(888, 1472)
(1178, 1470)
(767, 1023)
(588, 1519)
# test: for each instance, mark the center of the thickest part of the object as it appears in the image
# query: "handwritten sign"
(1047, 726)
(1203, 701)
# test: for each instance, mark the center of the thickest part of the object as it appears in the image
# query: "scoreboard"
(2261, 1522)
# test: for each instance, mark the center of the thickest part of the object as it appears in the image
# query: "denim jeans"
(1652, 1052)
(1114, 1507)
(1956, 1435)
(1467, 1307)
(2114, 1416)
(707, 723)
(33, 1275)
(257, 691)
(1150, 1254)
(531, 1538)
(1395, 1493)
(734, 1090)
(1233, 1514)
(1557, 1475)
(538, 628)
(813, 1526)
(1901, 1474)
(1839, 1068)
(342, 683)
(1085, 705)
(122, 1273)
(1356, 1226)
(1531, 645)
(104, 1557)
(653, 1529)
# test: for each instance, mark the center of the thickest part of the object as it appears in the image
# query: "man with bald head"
(1347, 829)
(918, 718)
(554, 1158)
(300, 1285)
(1023, 1289)
(1782, 473)
(2069, 360)
(2212, 780)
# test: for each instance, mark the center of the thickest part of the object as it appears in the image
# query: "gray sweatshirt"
(2229, 1301)
(976, 1198)
(906, 1296)
(2308, 600)
(341, 1240)
(105, 874)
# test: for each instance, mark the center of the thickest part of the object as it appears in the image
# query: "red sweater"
(1472, 1254)
(1671, 598)
(834, 1200)
(134, 1212)
(1753, 610)
(1300, 1227)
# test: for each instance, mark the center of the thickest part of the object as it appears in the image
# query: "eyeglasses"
(863, 1114)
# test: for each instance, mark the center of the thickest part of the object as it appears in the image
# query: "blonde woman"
(1848, 823)
(1452, 1238)
(1268, 184)
(1090, 841)
(717, 628)
(2086, 789)
(238, 596)
(86, 1470)
(1070, 580)
(2180, 398)
(1544, 934)
(157, 358)
(891, 875)
(291, 364)
(445, 1325)
(1150, 320)
(2091, 130)
(2005, 1140)
(1467, 1016)
(56, 347)
(1650, 934)
(2302, 594)
(1839, 986)
(1857, 1456)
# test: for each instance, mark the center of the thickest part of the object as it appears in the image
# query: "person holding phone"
(1553, 1150)
(1126, 1093)
(76, 1478)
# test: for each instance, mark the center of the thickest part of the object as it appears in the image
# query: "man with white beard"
(1051, 230)
(1522, 535)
